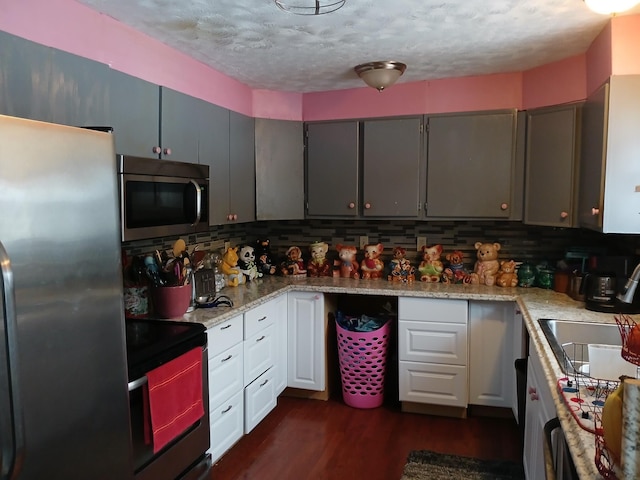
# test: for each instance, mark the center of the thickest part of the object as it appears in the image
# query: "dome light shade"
(309, 7)
(380, 75)
(607, 7)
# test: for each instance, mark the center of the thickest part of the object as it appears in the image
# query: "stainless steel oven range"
(151, 344)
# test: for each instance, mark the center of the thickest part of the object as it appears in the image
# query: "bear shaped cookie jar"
(454, 271)
(400, 269)
(507, 275)
(487, 265)
(431, 266)
(247, 262)
(264, 259)
(346, 265)
(372, 266)
(293, 265)
(230, 267)
(319, 265)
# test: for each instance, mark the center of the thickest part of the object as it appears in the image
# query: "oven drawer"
(259, 399)
(227, 425)
(258, 318)
(224, 335)
(226, 373)
(259, 353)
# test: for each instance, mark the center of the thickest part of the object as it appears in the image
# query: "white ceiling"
(265, 48)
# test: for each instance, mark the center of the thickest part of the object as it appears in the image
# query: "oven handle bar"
(137, 383)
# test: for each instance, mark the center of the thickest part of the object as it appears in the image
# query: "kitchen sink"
(569, 341)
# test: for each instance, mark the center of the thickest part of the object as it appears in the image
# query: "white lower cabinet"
(281, 356)
(227, 425)
(259, 399)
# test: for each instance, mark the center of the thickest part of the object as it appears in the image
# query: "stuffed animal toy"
(455, 272)
(400, 269)
(372, 266)
(347, 265)
(247, 262)
(293, 265)
(487, 266)
(318, 265)
(264, 260)
(230, 267)
(507, 276)
(431, 267)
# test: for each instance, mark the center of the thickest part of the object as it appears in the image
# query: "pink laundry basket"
(363, 358)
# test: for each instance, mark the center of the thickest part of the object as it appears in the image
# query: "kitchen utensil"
(575, 287)
(171, 302)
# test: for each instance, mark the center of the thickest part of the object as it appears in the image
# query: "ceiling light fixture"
(380, 75)
(607, 7)
(310, 7)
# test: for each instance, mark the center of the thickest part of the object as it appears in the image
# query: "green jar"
(526, 275)
(544, 278)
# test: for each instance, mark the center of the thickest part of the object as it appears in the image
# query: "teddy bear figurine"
(247, 262)
(372, 266)
(264, 260)
(230, 268)
(400, 269)
(455, 272)
(318, 265)
(507, 276)
(431, 266)
(487, 265)
(346, 266)
(293, 265)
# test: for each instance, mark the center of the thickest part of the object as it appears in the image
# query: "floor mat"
(427, 465)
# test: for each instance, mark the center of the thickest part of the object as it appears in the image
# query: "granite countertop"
(535, 303)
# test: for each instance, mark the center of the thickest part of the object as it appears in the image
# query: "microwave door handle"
(11, 437)
(198, 202)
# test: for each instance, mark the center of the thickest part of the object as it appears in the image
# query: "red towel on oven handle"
(173, 398)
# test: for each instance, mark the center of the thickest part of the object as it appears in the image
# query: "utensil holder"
(171, 302)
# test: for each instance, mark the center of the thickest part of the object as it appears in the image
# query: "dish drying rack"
(585, 395)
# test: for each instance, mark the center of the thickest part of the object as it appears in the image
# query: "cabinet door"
(281, 306)
(25, 78)
(259, 354)
(279, 170)
(306, 327)
(134, 114)
(214, 151)
(259, 400)
(242, 169)
(433, 383)
(180, 116)
(551, 190)
(391, 172)
(471, 165)
(332, 169)
(227, 425)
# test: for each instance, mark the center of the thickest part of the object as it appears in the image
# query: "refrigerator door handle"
(12, 427)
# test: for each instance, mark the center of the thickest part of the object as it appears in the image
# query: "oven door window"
(159, 203)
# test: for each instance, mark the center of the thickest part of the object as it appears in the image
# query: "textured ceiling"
(265, 48)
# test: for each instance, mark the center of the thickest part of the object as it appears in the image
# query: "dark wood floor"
(313, 439)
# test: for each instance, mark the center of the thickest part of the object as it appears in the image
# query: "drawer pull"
(263, 318)
(227, 409)
(225, 327)
(264, 383)
(225, 359)
(261, 338)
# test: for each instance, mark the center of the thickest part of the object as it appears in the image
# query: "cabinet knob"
(156, 150)
(534, 396)
(564, 215)
(531, 390)
(235, 216)
(352, 205)
(229, 217)
(167, 151)
(595, 211)
(504, 206)
(367, 205)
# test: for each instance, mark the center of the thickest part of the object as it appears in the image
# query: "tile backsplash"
(519, 242)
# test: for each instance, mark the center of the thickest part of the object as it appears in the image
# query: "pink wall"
(625, 38)
(599, 66)
(555, 83)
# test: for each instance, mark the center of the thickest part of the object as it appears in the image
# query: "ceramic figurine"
(264, 260)
(526, 275)
(346, 266)
(318, 265)
(431, 266)
(372, 266)
(247, 262)
(455, 272)
(293, 264)
(400, 269)
(230, 267)
(487, 266)
(507, 276)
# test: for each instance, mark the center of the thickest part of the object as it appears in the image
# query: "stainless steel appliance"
(64, 409)
(600, 291)
(151, 343)
(162, 198)
(606, 287)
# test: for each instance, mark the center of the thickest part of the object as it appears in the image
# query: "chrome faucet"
(629, 290)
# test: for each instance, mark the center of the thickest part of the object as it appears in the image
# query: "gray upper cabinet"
(552, 160)
(25, 78)
(610, 157)
(134, 114)
(179, 115)
(332, 169)
(279, 169)
(215, 153)
(472, 169)
(391, 167)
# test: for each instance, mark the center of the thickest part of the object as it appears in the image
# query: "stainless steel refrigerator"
(64, 408)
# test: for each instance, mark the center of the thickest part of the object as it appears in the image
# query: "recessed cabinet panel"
(242, 168)
(433, 384)
(433, 342)
(180, 115)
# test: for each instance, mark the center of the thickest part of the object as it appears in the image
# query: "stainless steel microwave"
(160, 198)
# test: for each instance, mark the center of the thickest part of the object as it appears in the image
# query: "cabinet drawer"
(433, 310)
(433, 383)
(258, 318)
(259, 399)
(433, 342)
(226, 373)
(259, 353)
(225, 335)
(227, 425)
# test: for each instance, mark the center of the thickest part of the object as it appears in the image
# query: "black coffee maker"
(604, 285)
